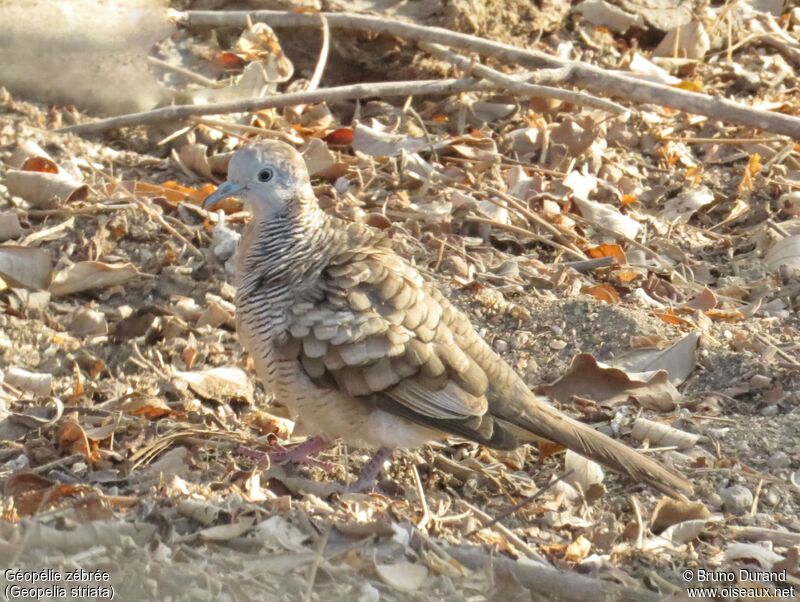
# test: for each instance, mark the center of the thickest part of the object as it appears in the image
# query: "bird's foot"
(300, 453)
(369, 473)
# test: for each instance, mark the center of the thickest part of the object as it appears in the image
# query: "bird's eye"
(266, 174)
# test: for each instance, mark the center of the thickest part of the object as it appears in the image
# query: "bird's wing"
(375, 330)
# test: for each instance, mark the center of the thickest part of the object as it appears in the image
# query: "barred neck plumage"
(283, 250)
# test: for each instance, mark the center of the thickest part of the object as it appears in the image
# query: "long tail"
(543, 420)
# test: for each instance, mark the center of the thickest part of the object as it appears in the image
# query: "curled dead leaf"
(38, 384)
(220, 384)
(43, 189)
(662, 435)
(604, 384)
(669, 512)
(86, 275)
(403, 576)
(25, 267)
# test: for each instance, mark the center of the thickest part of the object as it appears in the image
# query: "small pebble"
(771, 410)
(771, 498)
(779, 459)
(714, 500)
(557, 330)
(737, 499)
(557, 344)
(500, 345)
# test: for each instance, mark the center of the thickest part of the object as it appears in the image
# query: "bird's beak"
(228, 189)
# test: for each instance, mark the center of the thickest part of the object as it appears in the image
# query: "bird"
(362, 348)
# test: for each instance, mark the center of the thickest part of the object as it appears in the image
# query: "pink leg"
(369, 473)
(299, 453)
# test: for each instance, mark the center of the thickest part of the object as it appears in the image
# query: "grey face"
(268, 177)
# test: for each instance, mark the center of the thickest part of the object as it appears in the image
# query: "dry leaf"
(25, 267)
(603, 292)
(661, 435)
(43, 189)
(220, 384)
(604, 384)
(376, 143)
(227, 532)
(29, 156)
(578, 550)
(785, 252)
(687, 41)
(585, 472)
(608, 250)
(10, 226)
(86, 275)
(608, 217)
(403, 576)
(678, 360)
(38, 384)
(669, 512)
(151, 408)
(681, 208)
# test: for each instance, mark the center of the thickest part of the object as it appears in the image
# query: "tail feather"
(543, 420)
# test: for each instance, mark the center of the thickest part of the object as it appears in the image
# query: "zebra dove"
(360, 347)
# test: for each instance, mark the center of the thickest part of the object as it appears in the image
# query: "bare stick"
(547, 581)
(323, 55)
(576, 73)
(351, 92)
(470, 67)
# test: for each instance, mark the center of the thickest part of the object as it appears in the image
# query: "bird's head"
(270, 177)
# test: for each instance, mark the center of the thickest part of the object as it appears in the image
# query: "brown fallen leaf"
(25, 267)
(669, 512)
(10, 226)
(43, 189)
(87, 275)
(33, 493)
(220, 384)
(586, 377)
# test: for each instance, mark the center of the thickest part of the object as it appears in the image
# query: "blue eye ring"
(266, 174)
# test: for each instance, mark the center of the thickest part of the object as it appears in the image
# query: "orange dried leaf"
(41, 164)
(151, 408)
(750, 172)
(547, 449)
(340, 137)
(628, 199)
(670, 318)
(230, 61)
(690, 85)
(603, 292)
(725, 315)
(607, 250)
(694, 176)
(625, 276)
(71, 437)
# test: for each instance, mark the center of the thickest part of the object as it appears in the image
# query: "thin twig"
(470, 67)
(351, 92)
(523, 502)
(575, 73)
(508, 533)
(312, 573)
(190, 75)
(426, 514)
(523, 232)
(316, 77)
